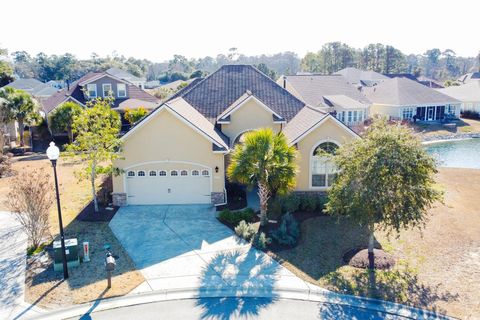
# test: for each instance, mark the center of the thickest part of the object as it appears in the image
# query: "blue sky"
(158, 29)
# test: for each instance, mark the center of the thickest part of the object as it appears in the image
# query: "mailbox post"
(109, 267)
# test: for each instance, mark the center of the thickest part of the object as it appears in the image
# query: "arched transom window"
(323, 169)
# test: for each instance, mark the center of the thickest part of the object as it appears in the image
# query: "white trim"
(310, 163)
(235, 108)
(319, 123)
(118, 90)
(103, 89)
(66, 100)
(100, 76)
(174, 113)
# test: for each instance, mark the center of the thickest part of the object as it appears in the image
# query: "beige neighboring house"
(332, 94)
(178, 154)
(405, 99)
(468, 94)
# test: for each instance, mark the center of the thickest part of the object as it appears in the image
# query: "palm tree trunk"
(21, 132)
(371, 244)
(94, 193)
(264, 195)
(70, 134)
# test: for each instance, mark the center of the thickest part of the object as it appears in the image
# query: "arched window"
(195, 173)
(323, 169)
(205, 173)
(174, 173)
(141, 173)
(152, 173)
(131, 174)
(184, 173)
(162, 173)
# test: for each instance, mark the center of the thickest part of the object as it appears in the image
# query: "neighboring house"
(404, 99)
(175, 84)
(34, 87)
(102, 84)
(333, 94)
(468, 94)
(195, 131)
(152, 84)
(422, 80)
(472, 76)
(125, 75)
(362, 78)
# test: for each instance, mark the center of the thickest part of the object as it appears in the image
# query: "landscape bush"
(469, 114)
(261, 241)
(288, 232)
(246, 230)
(5, 165)
(234, 217)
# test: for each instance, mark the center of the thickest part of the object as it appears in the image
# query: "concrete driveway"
(186, 247)
(13, 245)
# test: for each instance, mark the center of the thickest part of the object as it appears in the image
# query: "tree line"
(333, 56)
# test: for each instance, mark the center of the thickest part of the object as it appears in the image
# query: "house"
(101, 84)
(363, 78)
(124, 75)
(468, 94)
(34, 87)
(175, 84)
(466, 78)
(333, 94)
(422, 80)
(405, 99)
(179, 153)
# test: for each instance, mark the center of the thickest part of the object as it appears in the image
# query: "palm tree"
(264, 159)
(21, 107)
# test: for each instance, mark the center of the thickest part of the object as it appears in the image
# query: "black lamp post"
(53, 153)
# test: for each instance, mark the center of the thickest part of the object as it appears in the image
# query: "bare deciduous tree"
(30, 199)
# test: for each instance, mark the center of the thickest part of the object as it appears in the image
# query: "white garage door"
(168, 186)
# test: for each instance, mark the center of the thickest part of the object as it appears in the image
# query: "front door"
(430, 113)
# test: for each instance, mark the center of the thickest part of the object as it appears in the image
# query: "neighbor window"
(408, 113)
(195, 173)
(323, 169)
(451, 109)
(107, 89)
(152, 173)
(174, 173)
(184, 173)
(92, 90)
(162, 173)
(350, 114)
(121, 90)
(141, 173)
(131, 174)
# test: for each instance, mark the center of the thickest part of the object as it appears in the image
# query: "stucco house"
(468, 94)
(178, 154)
(330, 93)
(405, 99)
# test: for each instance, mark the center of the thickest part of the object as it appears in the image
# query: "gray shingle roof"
(33, 86)
(307, 118)
(218, 91)
(469, 77)
(356, 76)
(405, 92)
(313, 88)
(125, 75)
(469, 92)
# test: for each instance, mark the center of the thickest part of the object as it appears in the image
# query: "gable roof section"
(190, 116)
(405, 92)
(355, 76)
(33, 86)
(212, 95)
(125, 75)
(345, 102)
(313, 88)
(469, 92)
(307, 120)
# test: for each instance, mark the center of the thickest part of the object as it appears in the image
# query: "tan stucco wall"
(166, 138)
(328, 131)
(248, 116)
(389, 111)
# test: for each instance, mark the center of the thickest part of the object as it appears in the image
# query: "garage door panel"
(168, 189)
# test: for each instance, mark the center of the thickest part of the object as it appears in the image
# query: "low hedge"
(296, 202)
(234, 217)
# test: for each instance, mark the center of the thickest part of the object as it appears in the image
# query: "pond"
(457, 154)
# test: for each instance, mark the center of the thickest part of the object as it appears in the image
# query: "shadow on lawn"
(251, 274)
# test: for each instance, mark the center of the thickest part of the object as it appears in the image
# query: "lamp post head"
(53, 152)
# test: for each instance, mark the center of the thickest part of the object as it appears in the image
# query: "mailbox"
(110, 263)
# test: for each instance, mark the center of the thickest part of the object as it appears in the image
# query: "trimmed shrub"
(245, 230)
(308, 202)
(469, 114)
(261, 241)
(291, 203)
(275, 208)
(288, 232)
(234, 218)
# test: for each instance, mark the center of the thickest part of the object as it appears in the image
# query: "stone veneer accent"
(313, 192)
(218, 198)
(119, 199)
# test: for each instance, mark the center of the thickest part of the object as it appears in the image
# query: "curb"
(314, 294)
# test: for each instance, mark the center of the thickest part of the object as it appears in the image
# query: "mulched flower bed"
(88, 214)
(358, 258)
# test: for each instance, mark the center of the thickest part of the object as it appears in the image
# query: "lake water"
(457, 154)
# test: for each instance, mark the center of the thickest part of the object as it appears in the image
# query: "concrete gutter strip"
(313, 294)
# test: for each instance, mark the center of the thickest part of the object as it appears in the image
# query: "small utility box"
(71, 250)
